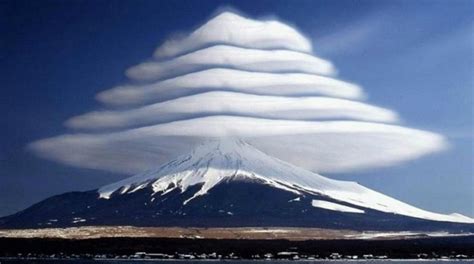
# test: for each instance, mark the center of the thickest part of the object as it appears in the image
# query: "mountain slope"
(230, 183)
(215, 161)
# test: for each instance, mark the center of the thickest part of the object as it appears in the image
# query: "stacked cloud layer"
(239, 78)
(232, 57)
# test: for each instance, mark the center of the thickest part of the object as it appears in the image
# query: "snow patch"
(270, 231)
(335, 207)
(297, 199)
(78, 220)
(372, 235)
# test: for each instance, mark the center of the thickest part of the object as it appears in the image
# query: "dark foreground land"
(453, 247)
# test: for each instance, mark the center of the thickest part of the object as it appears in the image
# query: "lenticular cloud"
(232, 29)
(235, 77)
(218, 79)
(232, 57)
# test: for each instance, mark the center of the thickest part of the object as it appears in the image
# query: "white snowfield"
(335, 207)
(372, 235)
(216, 161)
(233, 29)
(232, 57)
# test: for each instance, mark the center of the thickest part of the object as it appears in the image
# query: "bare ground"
(245, 233)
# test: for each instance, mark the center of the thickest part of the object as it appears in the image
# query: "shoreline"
(244, 233)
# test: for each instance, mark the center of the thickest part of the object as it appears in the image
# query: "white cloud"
(289, 84)
(235, 104)
(232, 57)
(229, 28)
(328, 146)
(274, 111)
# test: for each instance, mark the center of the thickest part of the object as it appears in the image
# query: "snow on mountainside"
(214, 162)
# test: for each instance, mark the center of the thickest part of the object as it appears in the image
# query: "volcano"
(229, 183)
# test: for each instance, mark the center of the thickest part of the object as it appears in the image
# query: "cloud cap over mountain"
(328, 146)
(239, 78)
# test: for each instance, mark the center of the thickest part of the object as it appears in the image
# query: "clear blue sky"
(415, 57)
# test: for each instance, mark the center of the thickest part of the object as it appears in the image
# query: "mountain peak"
(208, 164)
(222, 160)
(223, 146)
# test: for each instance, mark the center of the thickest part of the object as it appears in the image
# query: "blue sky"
(415, 57)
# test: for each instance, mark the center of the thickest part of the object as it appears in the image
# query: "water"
(75, 261)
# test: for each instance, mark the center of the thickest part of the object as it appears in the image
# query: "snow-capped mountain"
(231, 183)
(216, 161)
